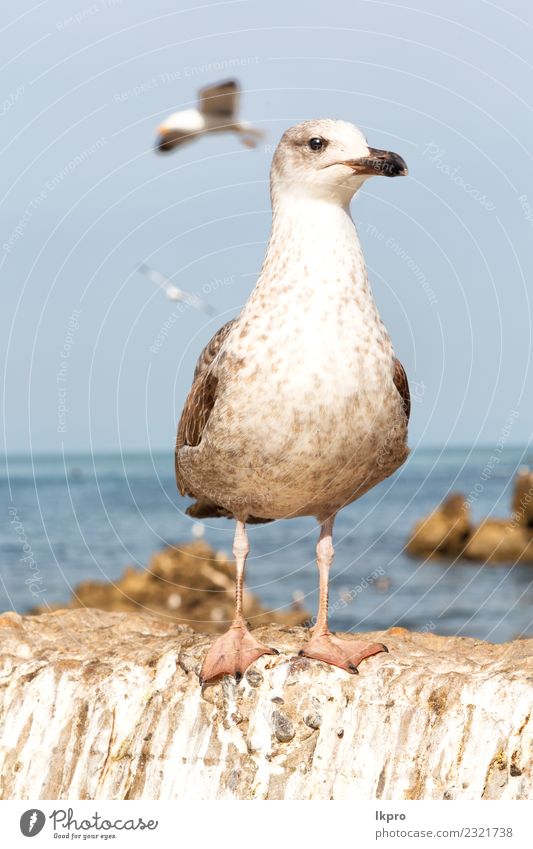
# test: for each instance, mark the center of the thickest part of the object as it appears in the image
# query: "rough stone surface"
(98, 705)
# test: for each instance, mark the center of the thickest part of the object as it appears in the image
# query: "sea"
(77, 517)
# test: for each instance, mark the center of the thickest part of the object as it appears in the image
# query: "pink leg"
(347, 654)
(234, 651)
(250, 136)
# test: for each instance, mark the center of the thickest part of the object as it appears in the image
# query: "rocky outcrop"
(448, 531)
(190, 584)
(500, 541)
(97, 705)
(522, 504)
(444, 532)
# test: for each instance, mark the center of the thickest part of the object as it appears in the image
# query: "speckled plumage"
(302, 412)
(298, 406)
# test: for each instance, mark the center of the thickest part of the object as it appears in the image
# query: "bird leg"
(250, 136)
(234, 651)
(347, 654)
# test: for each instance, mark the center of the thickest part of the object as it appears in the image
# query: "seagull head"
(178, 129)
(329, 159)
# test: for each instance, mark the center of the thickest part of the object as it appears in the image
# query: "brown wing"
(212, 348)
(221, 99)
(200, 400)
(195, 415)
(402, 385)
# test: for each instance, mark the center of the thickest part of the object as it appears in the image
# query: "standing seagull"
(217, 112)
(298, 406)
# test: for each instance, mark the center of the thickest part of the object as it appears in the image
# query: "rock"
(253, 677)
(500, 541)
(444, 532)
(522, 504)
(105, 705)
(448, 532)
(313, 720)
(190, 584)
(283, 727)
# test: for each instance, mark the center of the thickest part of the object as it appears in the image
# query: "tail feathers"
(204, 508)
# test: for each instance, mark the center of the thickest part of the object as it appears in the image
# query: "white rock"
(107, 706)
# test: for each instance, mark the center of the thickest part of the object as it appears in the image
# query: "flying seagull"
(217, 112)
(173, 293)
(298, 406)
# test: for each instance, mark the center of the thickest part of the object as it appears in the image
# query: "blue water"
(87, 516)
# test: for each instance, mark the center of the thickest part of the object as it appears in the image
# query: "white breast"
(307, 416)
(311, 327)
(188, 120)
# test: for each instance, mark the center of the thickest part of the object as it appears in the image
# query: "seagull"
(298, 406)
(173, 293)
(216, 112)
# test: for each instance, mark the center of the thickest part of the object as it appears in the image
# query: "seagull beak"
(382, 162)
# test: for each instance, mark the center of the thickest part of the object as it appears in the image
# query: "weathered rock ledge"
(99, 705)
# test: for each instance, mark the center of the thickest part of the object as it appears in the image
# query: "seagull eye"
(316, 144)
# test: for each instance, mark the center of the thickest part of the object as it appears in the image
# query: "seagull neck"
(312, 239)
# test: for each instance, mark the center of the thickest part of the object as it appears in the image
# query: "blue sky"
(85, 200)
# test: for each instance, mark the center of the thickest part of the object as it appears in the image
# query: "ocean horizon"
(79, 516)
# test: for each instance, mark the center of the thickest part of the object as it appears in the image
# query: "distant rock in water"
(190, 584)
(523, 498)
(449, 533)
(444, 532)
(500, 541)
